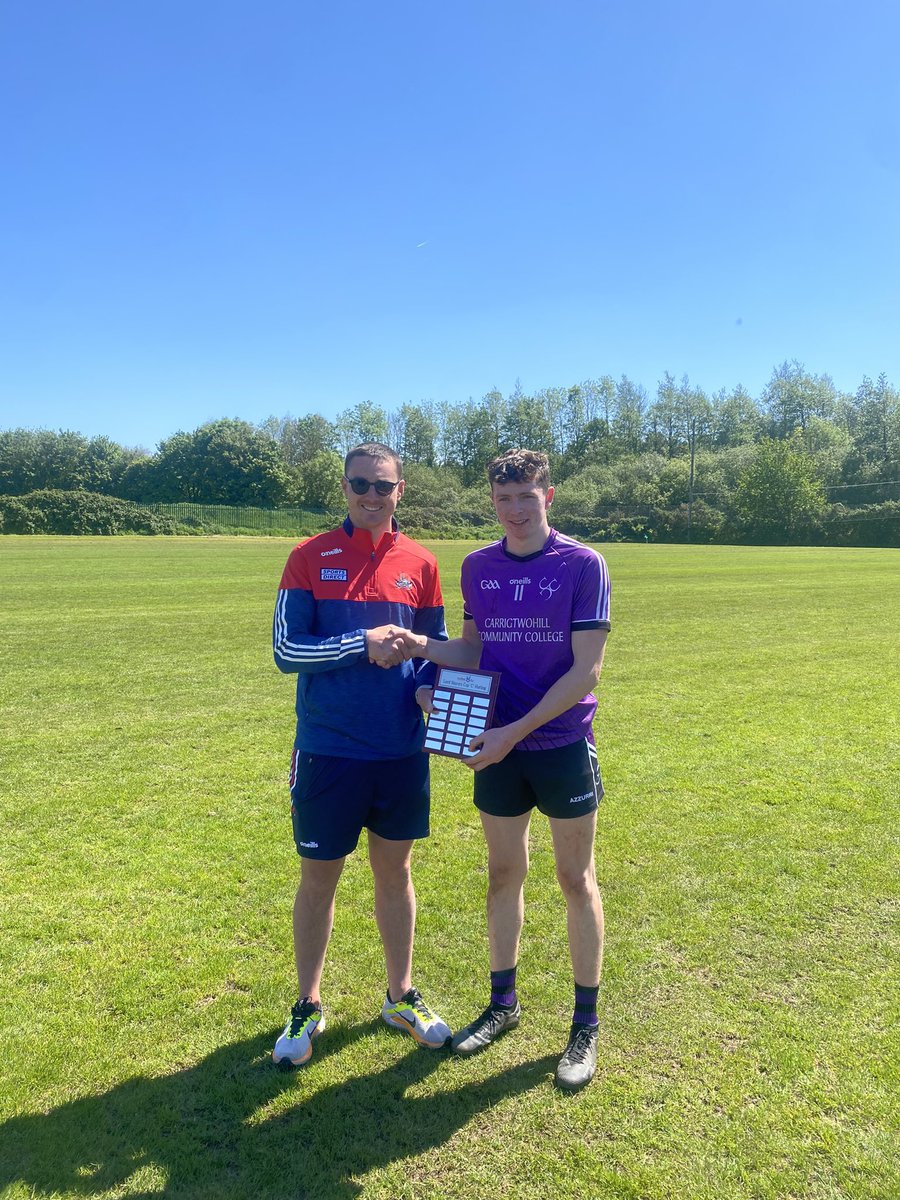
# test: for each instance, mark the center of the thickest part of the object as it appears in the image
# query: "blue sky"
(236, 209)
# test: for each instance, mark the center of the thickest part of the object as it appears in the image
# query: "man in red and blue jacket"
(358, 762)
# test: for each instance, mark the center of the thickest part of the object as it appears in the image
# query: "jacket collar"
(362, 539)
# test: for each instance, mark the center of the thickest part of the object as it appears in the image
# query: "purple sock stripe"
(503, 987)
(585, 1018)
(585, 1006)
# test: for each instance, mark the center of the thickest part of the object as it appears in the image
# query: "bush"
(79, 512)
(873, 525)
(449, 525)
(707, 524)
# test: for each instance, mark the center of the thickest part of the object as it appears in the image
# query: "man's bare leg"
(395, 909)
(313, 921)
(573, 847)
(395, 912)
(507, 843)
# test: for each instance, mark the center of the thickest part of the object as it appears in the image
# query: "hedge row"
(79, 512)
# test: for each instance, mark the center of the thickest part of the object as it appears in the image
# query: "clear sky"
(242, 209)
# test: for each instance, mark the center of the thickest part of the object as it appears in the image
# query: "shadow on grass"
(207, 1130)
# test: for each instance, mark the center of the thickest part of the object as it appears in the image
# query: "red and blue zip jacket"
(335, 586)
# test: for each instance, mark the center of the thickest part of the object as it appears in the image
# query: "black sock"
(503, 988)
(585, 1012)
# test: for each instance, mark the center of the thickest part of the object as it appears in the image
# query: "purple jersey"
(525, 610)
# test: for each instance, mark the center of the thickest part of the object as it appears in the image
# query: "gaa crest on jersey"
(338, 574)
(403, 581)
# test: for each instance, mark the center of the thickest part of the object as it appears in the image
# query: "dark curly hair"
(520, 466)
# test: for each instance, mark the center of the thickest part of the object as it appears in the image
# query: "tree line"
(798, 457)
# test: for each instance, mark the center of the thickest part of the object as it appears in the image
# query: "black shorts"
(561, 782)
(334, 799)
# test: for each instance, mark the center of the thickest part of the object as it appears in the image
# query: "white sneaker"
(294, 1047)
(411, 1014)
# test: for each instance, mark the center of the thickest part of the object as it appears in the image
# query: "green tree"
(793, 395)
(595, 445)
(470, 437)
(222, 462)
(779, 497)
(736, 418)
(828, 445)
(105, 463)
(413, 433)
(300, 438)
(493, 409)
(430, 501)
(631, 409)
(320, 481)
(143, 483)
(663, 418)
(876, 427)
(32, 459)
(526, 424)
(364, 422)
(599, 399)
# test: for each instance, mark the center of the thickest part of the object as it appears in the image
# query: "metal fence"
(237, 517)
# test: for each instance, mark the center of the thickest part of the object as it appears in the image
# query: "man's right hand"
(384, 645)
(390, 645)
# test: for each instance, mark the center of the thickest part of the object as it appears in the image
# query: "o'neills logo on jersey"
(333, 573)
(328, 553)
(519, 587)
(490, 585)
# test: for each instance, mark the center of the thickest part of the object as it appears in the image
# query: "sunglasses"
(360, 487)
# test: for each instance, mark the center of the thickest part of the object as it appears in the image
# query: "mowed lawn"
(747, 851)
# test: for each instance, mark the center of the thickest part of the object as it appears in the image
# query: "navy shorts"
(562, 782)
(334, 799)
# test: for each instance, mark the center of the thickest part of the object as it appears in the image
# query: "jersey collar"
(528, 557)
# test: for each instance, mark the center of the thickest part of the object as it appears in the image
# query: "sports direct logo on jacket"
(336, 586)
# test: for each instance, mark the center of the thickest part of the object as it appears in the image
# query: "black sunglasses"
(361, 486)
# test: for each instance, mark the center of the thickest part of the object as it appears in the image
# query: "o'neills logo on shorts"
(339, 573)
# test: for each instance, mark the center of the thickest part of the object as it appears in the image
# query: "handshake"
(390, 645)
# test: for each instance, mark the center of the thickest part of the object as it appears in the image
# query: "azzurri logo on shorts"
(339, 573)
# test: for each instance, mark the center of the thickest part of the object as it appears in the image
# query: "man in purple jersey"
(536, 609)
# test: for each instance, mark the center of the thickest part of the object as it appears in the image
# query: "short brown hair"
(520, 466)
(376, 450)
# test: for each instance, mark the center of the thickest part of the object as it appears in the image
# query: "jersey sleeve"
(296, 648)
(590, 604)
(429, 619)
(465, 583)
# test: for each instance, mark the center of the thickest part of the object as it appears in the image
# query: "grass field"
(747, 851)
